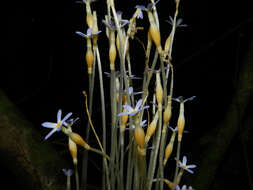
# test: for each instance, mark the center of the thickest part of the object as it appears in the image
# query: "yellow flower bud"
(123, 43)
(169, 148)
(73, 151)
(151, 128)
(169, 183)
(78, 140)
(155, 36)
(112, 56)
(139, 136)
(89, 60)
(181, 121)
(159, 91)
(167, 45)
(89, 20)
(167, 112)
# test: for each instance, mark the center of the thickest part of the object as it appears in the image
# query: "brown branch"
(31, 160)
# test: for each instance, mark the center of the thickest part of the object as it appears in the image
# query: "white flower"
(132, 111)
(67, 172)
(186, 167)
(56, 126)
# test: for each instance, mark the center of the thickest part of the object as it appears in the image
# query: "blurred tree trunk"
(33, 163)
(211, 148)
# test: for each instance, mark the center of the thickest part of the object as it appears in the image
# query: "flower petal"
(144, 107)
(123, 113)
(66, 117)
(138, 104)
(128, 108)
(191, 166)
(50, 133)
(188, 170)
(59, 115)
(184, 160)
(49, 124)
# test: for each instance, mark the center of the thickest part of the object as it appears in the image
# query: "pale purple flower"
(67, 172)
(132, 111)
(178, 22)
(88, 34)
(131, 91)
(181, 99)
(56, 126)
(184, 187)
(186, 167)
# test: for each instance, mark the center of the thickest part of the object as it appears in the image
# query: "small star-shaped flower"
(88, 33)
(132, 111)
(56, 126)
(186, 167)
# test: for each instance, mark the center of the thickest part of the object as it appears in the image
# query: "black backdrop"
(43, 67)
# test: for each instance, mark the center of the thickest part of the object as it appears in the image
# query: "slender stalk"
(152, 167)
(102, 105)
(99, 152)
(176, 171)
(76, 177)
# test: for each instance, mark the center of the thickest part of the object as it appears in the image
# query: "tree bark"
(33, 163)
(215, 145)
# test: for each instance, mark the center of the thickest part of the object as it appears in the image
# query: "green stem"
(152, 165)
(99, 152)
(77, 177)
(176, 171)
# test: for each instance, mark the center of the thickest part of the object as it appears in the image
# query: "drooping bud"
(76, 138)
(73, 151)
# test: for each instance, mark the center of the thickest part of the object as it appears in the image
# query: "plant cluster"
(141, 142)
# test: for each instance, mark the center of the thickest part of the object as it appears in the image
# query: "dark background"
(44, 67)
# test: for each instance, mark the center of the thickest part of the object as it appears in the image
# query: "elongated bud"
(169, 148)
(89, 17)
(169, 183)
(139, 135)
(95, 29)
(123, 43)
(76, 138)
(89, 56)
(112, 51)
(167, 112)
(154, 32)
(167, 45)
(73, 151)
(181, 121)
(159, 91)
(151, 128)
